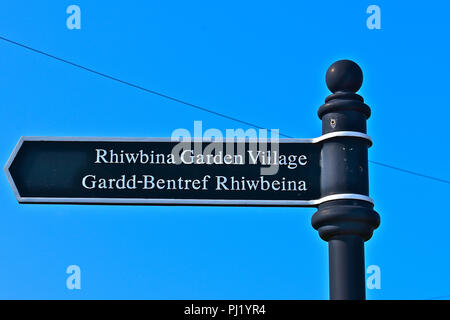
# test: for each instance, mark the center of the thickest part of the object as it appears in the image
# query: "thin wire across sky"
(165, 96)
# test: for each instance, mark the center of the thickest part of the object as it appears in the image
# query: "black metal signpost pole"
(345, 224)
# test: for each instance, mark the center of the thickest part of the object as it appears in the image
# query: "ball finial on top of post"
(344, 75)
(344, 109)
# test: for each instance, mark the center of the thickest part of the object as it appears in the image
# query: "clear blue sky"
(260, 61)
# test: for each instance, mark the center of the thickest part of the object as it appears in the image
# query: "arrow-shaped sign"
(161, 171)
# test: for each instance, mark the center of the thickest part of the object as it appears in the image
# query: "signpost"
(328, 172)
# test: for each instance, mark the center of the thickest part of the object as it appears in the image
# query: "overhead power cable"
(165, 96)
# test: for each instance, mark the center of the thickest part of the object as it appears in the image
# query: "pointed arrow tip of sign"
(8, 166)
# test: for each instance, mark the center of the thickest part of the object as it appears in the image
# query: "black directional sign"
(160, 171)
